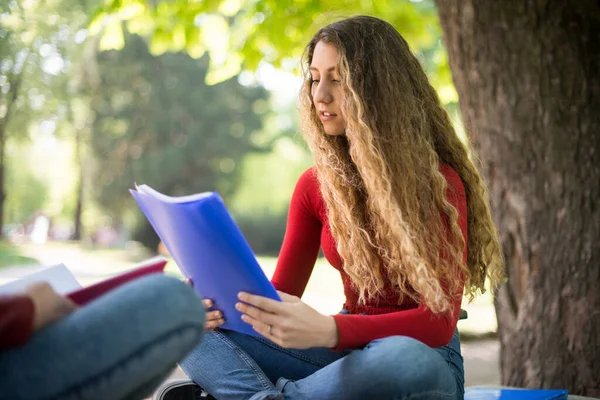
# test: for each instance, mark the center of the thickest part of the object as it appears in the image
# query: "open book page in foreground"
(58, 276)
(64, 282)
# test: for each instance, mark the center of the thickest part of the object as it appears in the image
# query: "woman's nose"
(321, 93)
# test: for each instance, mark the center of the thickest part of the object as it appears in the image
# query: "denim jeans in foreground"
(121, 346)
(231, 365)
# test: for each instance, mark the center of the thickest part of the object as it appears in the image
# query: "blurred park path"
(324, 293)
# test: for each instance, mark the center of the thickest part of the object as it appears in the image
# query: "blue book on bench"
(514, 394)
(208, 247)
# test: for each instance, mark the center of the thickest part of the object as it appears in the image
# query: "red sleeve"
(16, 320)
(302, 238)
(420, 323)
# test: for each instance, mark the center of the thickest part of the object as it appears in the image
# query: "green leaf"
(97, 22)
(178, 38)
(131, 9)
(160, 42)
(143, 25)
(219, 72)
(112, 38)
(194, 45)
(229, 8)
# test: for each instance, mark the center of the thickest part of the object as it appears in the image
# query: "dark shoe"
(181, 389)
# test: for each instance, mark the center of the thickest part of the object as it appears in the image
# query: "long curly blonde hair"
(381, 180)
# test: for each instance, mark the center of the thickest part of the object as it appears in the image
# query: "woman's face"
(326, 88)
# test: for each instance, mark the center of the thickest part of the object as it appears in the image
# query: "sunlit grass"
(10, 255)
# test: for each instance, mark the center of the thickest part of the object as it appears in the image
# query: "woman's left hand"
(289, 323)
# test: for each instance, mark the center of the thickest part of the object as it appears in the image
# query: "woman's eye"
(313, 81)
(336, 81)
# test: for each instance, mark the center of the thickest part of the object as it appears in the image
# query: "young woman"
(398, 208)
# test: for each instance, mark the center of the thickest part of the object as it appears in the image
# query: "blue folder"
(514, 394)
(207, 246)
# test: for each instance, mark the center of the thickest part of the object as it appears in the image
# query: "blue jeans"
(231, 365)
(120, 346)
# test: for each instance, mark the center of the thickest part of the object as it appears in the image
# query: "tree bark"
(78, 139)
(527, 74)
(77, 233)
(2, 175)
(14, 80)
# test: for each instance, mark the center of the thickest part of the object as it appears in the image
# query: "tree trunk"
(14, 86)
(77, 222)
(77, 234)
(2, 175)
(527, 74)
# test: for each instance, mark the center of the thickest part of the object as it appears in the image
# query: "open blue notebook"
(207, 246)
(514, 394)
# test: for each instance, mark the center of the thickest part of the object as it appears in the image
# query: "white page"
(58, 276)
(147, 190)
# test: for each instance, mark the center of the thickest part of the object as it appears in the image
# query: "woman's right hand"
(214, 318)
(49, 306)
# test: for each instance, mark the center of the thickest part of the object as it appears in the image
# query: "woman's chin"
(334, 132)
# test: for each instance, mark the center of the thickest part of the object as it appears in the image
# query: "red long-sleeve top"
(308, 230)
(16, 320)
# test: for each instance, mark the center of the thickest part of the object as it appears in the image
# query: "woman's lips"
(327, 116)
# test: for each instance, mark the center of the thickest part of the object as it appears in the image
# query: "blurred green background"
(182, 96)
